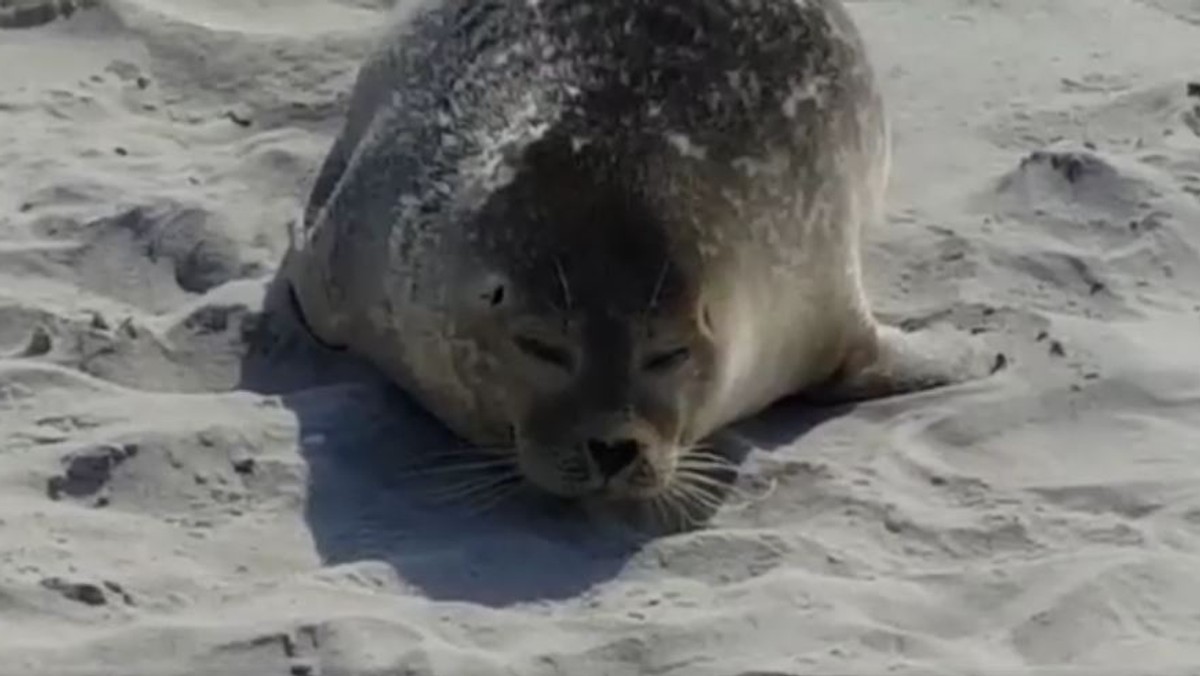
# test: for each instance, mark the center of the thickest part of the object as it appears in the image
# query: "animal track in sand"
(86, 473)
(1184, 10)
(1093, 234)
(192, 479)
(1191, 117)
(263, 16)
(1055, 185)
(148, 256)
(33, 13)
(1125, 119)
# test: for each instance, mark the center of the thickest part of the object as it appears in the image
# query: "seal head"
(593, 324)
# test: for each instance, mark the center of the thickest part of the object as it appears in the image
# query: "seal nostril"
(613, 456)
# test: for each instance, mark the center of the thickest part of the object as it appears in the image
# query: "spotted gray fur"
(602, 157)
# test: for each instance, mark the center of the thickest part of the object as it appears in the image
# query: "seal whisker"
(659, 512)
(473, 450)
(465, 489)
(701, 495)
(693, 476)
(704, 473)
(719, 490)
(684, 503)
(708, 469)
(562, 281)
(493, 475)
(706, 455)
(463, 467)
(671, 513)
(699, 512)
(703, 464)
(432, 458)
(488, 500)
(658, 286)
(749, 499)
(690, 460)
(693, 511)
(436, 459)
(706, 466)
(709, 490)
(705, 452)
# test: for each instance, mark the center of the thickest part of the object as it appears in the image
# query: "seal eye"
(667, 360)
(544, 352)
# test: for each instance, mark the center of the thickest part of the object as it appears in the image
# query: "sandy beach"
(187, 490)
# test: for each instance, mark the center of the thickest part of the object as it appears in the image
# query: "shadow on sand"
(360, 436)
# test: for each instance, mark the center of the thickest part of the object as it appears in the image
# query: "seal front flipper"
(889, 362)
(302, 320)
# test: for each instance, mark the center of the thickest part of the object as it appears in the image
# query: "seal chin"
(558, 472)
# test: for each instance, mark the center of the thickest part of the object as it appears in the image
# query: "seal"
(589, 234)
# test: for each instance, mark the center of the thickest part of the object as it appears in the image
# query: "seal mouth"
(595, 470)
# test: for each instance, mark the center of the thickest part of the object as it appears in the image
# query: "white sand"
(157, 517)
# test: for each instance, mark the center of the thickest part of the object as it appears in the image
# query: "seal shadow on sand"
(371, 453)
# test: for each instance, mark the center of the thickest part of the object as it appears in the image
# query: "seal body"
(593, 232)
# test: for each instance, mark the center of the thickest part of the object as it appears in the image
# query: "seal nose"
(613, 455)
